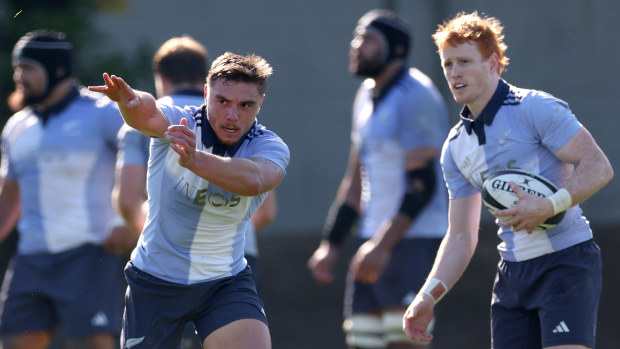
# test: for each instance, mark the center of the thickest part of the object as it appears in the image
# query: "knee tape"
(364, 331)
(392, 323)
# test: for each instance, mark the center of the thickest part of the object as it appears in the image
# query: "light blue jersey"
(409, 114)
(518, 129)
(195, 231)
(65, 171)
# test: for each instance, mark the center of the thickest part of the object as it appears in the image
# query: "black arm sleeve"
(420, 190)
(339, 222)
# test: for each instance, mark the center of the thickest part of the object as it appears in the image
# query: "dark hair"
(181, 60)
(251, 68)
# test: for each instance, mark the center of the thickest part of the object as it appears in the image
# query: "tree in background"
(74, 18)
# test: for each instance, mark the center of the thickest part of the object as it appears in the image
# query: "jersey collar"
(381, 94)
(487, 115)
(45, 114)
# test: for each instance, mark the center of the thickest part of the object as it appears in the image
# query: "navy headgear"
(48, 50)
(392, 28)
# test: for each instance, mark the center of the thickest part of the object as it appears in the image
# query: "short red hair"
(485, 32)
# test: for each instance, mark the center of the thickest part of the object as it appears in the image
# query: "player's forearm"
(9, 207)
(236, 175)
(591, 174)
(134, 216)
(453, 257)
(140, 116)
(9, 218)
(393, 233)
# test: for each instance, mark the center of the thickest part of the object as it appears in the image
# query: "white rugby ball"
(497, 194)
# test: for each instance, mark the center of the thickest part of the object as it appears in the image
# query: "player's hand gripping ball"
(497, 194)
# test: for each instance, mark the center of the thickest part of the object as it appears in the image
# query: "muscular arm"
(350, 187)
(459, 244)
(9, 206)
(139, 109)
(592, 171)
(249, 177)
(592, 168)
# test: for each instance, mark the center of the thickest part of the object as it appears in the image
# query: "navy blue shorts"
(404, 275)
(156, 310)
(80, 290)
(549, 300)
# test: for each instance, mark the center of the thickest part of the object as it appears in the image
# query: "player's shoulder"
(417, 86)
(261, 138)
(259, 131)
(18, 120)
(532, 99)
(455, 131)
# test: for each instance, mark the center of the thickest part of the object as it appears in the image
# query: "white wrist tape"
(434, 288)
(561, 201)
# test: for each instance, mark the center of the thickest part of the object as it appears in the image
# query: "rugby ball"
(497, 194)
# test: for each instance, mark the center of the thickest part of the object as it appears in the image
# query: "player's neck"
(477, 106)
(59, 92)
(387, 74)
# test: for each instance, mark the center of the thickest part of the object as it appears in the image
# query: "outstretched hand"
(117, 90)
(529, 212)
(183, 142)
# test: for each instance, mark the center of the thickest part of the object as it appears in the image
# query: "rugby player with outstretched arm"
(210, 168)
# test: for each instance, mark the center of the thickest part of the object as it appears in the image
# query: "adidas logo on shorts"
(561, 328)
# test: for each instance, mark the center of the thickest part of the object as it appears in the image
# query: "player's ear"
(206, 89)
(260, 103)
(494, 62)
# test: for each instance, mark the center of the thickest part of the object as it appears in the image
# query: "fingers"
(416, 321)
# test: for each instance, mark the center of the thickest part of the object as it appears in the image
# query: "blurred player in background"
(548, 282)
(210, 168)
(56, 177)
(393, 179)
(179, 68)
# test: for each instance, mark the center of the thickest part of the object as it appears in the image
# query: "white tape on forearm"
(561, 201)
(435, 288)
